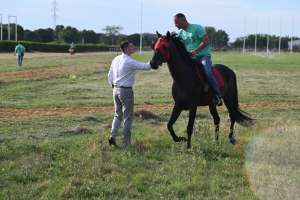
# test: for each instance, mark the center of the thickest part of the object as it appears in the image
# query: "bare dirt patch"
(77, 131)
(42, 73)
(11, 113)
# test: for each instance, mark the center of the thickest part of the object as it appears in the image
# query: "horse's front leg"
(174, 116)
(190, 126)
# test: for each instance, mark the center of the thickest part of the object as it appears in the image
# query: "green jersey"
(192, 38)
(20, 49)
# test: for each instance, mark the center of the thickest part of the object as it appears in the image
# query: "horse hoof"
(182, 139)
(216, 139)
(232, 141)
(217, 142)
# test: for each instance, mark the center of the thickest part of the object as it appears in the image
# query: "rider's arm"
(202, 45)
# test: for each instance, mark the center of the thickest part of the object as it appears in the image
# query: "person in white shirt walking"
(121, 78)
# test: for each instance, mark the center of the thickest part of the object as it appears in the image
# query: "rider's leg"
(207, 65)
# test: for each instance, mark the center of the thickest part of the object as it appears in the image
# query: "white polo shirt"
(122, 70)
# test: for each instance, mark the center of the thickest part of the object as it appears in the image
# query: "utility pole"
(54, 17)
(54, 13)
(8, 29)
(268, 36)
(1, 18)
(280, 33)
(292, 35)
(141, 34)
(255, 42)
(16, 27)
(245, 30)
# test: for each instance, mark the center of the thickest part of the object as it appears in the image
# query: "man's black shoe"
(112, 141)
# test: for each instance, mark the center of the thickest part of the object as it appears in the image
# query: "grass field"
(56, 110)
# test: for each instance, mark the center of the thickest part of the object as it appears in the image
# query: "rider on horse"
(196, 42)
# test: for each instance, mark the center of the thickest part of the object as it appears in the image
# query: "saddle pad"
(218, 77)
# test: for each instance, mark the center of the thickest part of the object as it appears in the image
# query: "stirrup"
(218, 101)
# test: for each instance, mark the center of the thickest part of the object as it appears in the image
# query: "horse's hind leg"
(174, 116)
(230, 109)
(215, 115)
(231, 136)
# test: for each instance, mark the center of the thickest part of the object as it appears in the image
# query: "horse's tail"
(232, 103)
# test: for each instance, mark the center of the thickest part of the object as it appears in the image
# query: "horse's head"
(161, 47)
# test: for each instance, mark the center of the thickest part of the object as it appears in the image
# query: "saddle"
(201, 76)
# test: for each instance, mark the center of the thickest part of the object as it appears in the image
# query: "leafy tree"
(44, 35)
(89, 36)
(261, 43)
(221, 39)
(29, 35)
(134, 38)
(59, 32)
(218, 39)
(70, 34)
(112, 31)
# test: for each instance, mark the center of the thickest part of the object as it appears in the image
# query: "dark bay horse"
(189, 91)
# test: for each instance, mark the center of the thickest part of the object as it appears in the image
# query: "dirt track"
(41, 73)
(8, 113)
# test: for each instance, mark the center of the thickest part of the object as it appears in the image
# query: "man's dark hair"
(180, 15)
(124, 44)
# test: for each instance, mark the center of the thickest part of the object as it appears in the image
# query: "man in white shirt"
(121, 78)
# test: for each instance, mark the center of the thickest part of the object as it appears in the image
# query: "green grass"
(273, 162)
(44, 158)
(154, 87)
(53, 61)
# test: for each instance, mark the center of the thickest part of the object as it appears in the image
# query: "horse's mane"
(182, 50)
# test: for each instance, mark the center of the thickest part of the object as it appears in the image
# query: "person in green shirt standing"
(196, 42)
(19, 51)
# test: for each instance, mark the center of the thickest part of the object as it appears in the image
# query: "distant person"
(72, 48)
(121, 78)
(19, 51)
(196, 42)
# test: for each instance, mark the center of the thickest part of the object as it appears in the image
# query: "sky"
(236, 17)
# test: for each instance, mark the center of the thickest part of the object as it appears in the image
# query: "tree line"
(262, 40)
(111, 35)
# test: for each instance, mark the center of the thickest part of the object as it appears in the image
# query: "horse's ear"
(168, 34)
(158, 34)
